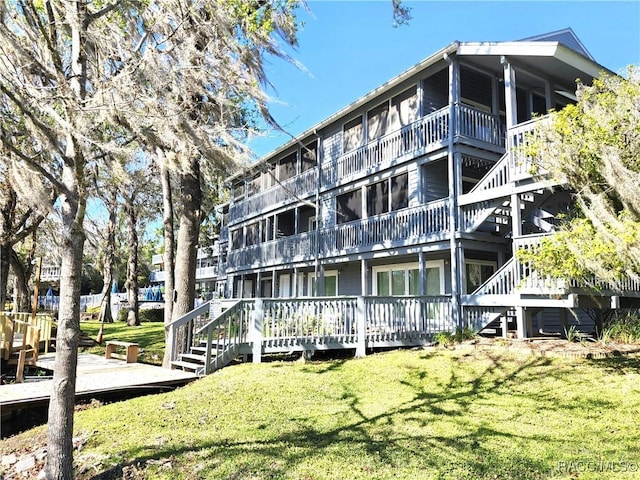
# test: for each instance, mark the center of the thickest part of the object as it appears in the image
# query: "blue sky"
(350, 47)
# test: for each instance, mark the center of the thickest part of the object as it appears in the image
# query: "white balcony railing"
(300, 186)
(393, 228)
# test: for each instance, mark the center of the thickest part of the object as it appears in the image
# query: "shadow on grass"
(620, 365)
(380, 447)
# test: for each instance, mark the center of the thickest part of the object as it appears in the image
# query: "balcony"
(402, 227)
(425, 135)
(300, 186)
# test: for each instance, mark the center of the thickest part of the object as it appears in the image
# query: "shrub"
(151, 315)
(622, 327)
(443, 339)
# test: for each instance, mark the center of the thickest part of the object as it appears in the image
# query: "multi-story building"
(419, 189)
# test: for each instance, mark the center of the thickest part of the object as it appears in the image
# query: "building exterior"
(419, 188)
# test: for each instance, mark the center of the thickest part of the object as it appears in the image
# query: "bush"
(623, 327)
(122, 314)
(151, 315)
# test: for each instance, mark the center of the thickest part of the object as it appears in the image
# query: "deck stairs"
(487, 207)
(211, 343)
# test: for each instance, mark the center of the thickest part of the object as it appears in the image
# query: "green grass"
(422, 414)
(150, 337)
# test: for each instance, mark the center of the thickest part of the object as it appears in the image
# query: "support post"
(257, 331)
(361, 328)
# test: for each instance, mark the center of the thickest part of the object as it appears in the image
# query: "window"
(404, 109)
(400, 191)
(377, 121)
(404, 279)
(238, 190)
(286, 222)
(253, 234)
(287, 167)
(309, 156)
(352, 136)
(253, 185)
(236, 239)
(378, 199)
(330, 284)
(349, 206)
(478, 272)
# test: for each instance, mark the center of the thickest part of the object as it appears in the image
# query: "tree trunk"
(108, 263)
(188, 232)
(4, 273)
(22, 274)
(169, 249)
(132, 263)
(60, 434)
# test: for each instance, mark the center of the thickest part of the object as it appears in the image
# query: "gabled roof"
(566, 37)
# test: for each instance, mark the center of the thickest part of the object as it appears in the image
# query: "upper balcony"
(427, 134)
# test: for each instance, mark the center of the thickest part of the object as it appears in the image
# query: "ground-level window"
(404, 279)
(330, 284)
(478, 272)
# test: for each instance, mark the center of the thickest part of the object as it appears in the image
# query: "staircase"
(208, 338)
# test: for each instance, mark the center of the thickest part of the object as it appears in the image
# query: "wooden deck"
(96, 376)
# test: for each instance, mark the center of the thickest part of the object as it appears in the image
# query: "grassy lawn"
(420, 414)
(149, 335)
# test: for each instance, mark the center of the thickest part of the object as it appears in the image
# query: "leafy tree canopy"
(594, 148)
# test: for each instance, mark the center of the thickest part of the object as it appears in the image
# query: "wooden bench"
(131, 348)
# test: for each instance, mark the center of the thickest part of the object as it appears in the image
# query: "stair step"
(186, 365)
(194, 357)
(203, 350)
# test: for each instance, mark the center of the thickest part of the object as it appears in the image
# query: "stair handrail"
(231, 338)
(172, 328)
(504, 163)
(495, 280)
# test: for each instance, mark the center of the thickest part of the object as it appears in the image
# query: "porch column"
(273, 283)
(454, 97)
(511, 104)
(549, 96)
(258, 285)
(294, 287)
(363, 278)
(422, 277)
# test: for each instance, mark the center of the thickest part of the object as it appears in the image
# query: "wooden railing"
(301, 186)
(180, 332)
(280, 325)
(409, 224)
(391, 319)
(427, 133)
(223, 336)
(523, 164)
(478, 125)
(498, 176)
(294, 248)
(533, 281)
(319, 320)
(413, 223)
(42, 321)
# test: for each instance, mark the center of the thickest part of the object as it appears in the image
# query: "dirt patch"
(555, 347)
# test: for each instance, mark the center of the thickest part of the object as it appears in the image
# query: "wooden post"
(257, 331)
(361, 328)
